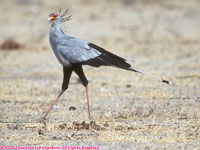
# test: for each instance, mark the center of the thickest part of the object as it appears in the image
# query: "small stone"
(41, 132)
(72, 108)
(128, 85)
(62, 126)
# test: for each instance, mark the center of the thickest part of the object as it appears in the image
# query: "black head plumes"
(65, 16)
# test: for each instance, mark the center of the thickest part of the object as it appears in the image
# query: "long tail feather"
(138, 71)
(110, 59)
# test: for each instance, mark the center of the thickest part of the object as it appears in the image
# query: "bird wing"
(76, 50)
(106, 59)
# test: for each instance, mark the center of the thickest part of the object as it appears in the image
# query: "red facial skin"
(54, 17)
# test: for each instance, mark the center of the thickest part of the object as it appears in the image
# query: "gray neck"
(57, 29)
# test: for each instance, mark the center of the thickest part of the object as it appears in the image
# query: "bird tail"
(141, 72)
(109, 59)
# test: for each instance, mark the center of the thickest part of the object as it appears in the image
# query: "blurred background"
(160, 37)
(131, 22)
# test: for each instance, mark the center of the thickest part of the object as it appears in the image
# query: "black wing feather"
(106, 59)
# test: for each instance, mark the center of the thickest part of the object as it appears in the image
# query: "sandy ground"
(129, 111)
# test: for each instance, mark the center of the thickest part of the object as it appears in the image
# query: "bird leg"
(88, 103)
(53, 103)
(79, 71)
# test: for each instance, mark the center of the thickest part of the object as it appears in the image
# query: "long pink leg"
(53, 103)
(88, 103)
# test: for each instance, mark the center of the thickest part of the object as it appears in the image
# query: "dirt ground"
(129, 111)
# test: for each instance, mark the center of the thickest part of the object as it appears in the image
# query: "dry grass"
(129, 111)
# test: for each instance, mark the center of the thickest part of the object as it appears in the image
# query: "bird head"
(58, 17)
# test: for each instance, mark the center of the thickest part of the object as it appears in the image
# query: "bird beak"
(50, 19)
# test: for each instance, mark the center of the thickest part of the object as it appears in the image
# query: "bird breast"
(54, 41)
